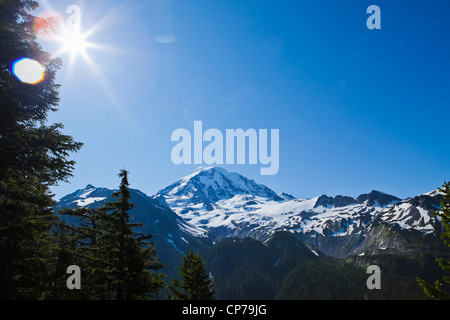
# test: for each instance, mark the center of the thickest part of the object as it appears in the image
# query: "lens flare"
(28, 70)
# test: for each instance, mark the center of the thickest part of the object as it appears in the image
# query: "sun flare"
(73, 42)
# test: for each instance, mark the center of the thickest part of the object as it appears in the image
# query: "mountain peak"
(89, 186)
(324, 201)
(286, 196)
(200, 169)
(338, 201)
(210, 184)
(377, 198)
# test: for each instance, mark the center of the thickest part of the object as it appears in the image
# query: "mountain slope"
(415, 213)
(245, 268)
(172, 235)
(402, 227)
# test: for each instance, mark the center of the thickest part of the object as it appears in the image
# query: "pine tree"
(76, 245)
(437, 292)
(63, 257)
(117, 262)
(129, 257)
(196, 283)
(33, 158)
(88, 254)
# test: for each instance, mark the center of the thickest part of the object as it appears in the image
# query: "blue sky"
(357, 109)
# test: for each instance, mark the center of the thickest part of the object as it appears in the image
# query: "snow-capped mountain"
(212, 202)
(227, 204)
(85, 197)
(208, 185)
(415, 213)
(232, 205)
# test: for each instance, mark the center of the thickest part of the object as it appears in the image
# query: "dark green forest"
(284, 268)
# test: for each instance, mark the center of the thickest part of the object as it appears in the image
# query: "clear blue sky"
(357, 109)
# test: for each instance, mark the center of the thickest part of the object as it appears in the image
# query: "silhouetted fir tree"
(437, 292)
(117, 262)
(65, 255)
(88, 254)
(129, 257)
(33, 157)
(195, 283)
(76, 245)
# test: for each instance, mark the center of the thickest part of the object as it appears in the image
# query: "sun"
(50, 26)
(73, 42)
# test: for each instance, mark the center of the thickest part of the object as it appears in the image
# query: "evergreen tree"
(76, 245)
(129, 257)
(117, 262)
(196, 283)
(437, 292)
(33, 157)
(64, 256)
(88, 254)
